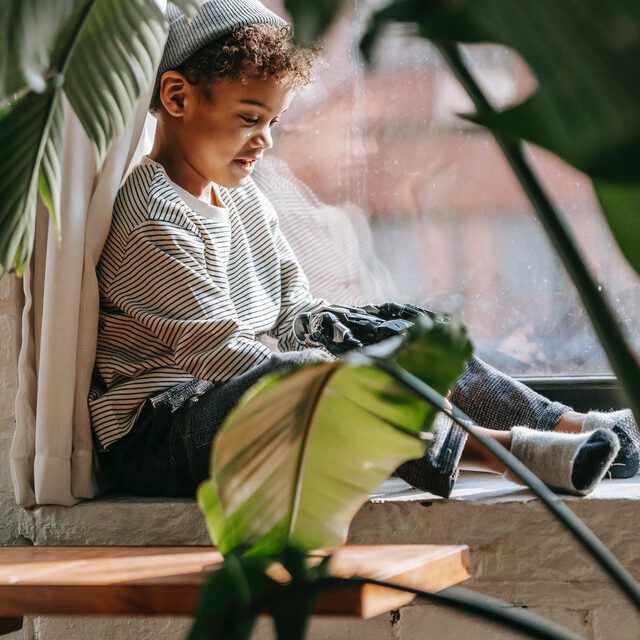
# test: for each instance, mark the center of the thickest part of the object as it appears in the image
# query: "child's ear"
(173, 86)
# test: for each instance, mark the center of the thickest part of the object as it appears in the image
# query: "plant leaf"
(113, 52)
(49, 182)
(35, 26)
(242, 588)
(296, 459)
(11, 79)
(303, 450)
(23, 135)
(620, 203)
(585, 55)
(311, 19)
(209, 503)
(226, 608)
(109, 50)
(102, 52)
(292, 605)
(436, 351)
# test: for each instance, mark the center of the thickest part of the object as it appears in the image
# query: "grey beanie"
(215, 19)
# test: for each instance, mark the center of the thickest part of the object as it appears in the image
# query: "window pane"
(385, 194)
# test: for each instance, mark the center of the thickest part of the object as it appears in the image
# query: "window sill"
(491, 489)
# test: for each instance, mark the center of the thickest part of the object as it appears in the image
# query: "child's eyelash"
(251, 121)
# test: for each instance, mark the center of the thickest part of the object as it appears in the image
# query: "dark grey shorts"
(167, 452)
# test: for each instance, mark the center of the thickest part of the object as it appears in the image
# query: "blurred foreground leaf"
(304, 450)
(584, 54)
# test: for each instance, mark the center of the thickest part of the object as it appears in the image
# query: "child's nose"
(263, 138)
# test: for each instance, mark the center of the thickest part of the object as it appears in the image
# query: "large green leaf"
(23, 132)
(116, 49)
(621, 204)
(436, 351)
(100, 53)
(11, 78)
(226, 608)
(51, 165)
(297, 458)
(303, 450)
(241, 589)
(32, 30)
(585, 55)
(583, 52)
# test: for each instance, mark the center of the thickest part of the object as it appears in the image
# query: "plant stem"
(464, 600)
(575, 526)
(608, 329)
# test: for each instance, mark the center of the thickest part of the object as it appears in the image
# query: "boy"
(195, 271)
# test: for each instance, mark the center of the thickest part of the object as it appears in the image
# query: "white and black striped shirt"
(186, 290)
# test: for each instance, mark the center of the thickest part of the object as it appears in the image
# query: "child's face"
(224, 134)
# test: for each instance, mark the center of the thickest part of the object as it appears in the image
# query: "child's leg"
(494, 400)
(168, 451)
(574, 463)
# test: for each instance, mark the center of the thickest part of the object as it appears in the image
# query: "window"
(427, 199)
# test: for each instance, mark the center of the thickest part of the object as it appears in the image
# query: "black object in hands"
(340, 329)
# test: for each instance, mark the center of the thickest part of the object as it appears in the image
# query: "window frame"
(582, 393)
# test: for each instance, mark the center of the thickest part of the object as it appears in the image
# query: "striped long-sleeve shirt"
(186, 290)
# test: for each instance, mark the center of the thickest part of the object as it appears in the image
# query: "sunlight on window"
(386, 194)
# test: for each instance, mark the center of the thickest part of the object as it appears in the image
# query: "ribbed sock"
(568, 462)
(627, 462)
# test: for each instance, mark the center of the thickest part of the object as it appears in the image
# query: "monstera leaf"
(303, 450)
(97, 53)
(585, 55)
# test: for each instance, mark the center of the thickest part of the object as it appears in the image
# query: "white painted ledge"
(490, 488)
(394, 513)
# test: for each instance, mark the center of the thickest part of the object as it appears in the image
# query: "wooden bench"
(165, 581)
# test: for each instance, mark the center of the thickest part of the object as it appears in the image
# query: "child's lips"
(248, 163)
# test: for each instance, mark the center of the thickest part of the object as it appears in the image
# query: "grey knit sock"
(627, 462)
(568, 462)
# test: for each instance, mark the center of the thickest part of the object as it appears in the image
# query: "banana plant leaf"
(585, 55)
(236, 594)
(303, 450)
(99, 53)
(27, 38)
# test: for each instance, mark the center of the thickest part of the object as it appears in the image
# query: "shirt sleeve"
(296, 297)
(163, 283)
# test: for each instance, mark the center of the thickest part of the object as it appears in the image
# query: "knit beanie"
(215, 19)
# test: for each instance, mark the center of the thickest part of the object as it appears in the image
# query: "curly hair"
(254, 51)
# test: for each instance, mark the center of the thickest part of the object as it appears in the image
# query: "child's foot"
(627, 462)
(569, 462)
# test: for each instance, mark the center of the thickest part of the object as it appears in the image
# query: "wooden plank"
(167, 580)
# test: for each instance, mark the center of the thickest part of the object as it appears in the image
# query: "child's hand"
(324, 329)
